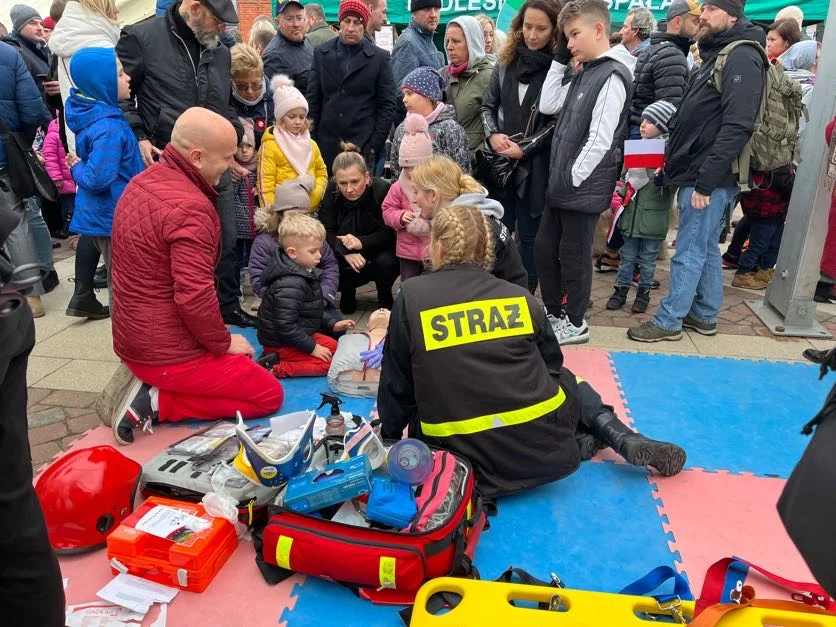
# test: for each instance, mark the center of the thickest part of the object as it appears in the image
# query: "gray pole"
(788, 307)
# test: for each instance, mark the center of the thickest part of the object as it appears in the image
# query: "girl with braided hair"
(471, 364)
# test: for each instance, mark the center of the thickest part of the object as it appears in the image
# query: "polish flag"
(644, 153)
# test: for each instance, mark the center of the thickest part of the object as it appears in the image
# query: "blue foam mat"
(728, 414)
(597, 529)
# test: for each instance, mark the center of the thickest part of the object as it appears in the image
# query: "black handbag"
(806, 505)
(26, 174)
(494, 170)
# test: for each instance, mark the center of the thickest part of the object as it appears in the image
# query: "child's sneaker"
(618, 298)
(135, 411)
(570, 334)
(642, 300)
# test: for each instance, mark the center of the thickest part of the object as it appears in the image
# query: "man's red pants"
(212, 387)
(295, 363)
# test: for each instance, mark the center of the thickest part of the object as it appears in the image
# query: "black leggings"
(563, 250)
(383, 269)
(86, 260)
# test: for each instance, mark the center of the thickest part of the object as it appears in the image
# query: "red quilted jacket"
(166, 235)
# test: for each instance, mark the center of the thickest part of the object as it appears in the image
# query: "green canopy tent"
(504, 11)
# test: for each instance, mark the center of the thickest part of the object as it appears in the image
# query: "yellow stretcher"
(486, 603)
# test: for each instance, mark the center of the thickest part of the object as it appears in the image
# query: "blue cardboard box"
(338, 482)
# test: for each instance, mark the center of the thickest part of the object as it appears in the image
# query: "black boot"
(50, 282)
(642, 300)
(618, 298)
(635, 448)
(100, 278)
(83, 304)
(588, 444)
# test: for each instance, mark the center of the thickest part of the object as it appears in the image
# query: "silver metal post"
(788, 307)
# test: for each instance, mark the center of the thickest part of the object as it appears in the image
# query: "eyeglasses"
(248, 86)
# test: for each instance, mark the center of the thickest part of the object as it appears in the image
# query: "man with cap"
(289, 53)
(414, 47)
(662, 70)
(708, 132)
(351, 94)
(159, 54)
(28, 37)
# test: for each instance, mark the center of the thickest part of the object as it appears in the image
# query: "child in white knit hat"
(287, 150)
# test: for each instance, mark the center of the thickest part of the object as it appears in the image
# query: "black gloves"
(561, 49)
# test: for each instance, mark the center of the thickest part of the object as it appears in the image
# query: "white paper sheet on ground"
(136, 593)
(102, 614)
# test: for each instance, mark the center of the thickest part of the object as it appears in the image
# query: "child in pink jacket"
(56, 166)
(399, 209)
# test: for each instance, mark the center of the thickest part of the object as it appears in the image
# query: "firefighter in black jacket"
(472, 365)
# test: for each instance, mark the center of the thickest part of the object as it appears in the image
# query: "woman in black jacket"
(514, 125)
(353, 219)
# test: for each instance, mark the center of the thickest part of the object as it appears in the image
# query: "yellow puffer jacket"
(274, 169)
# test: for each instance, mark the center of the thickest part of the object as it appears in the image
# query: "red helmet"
(85, 495)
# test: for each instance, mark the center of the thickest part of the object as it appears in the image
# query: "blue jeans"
(696, 269)
(764, 242)
(641, 251)
(40, 232)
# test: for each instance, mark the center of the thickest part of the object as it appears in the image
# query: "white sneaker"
(570, 334)
(557, 323)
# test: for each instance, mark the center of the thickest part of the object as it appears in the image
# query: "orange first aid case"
(186, 559)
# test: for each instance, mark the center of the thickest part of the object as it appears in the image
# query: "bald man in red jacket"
(167, 323)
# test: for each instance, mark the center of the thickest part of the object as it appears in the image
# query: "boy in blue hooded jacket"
(108, 153)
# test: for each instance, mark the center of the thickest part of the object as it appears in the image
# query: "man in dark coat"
(177, 62)
(289, 53)
(28, 37)
(711, 128)
(351, 93)
(661, 71)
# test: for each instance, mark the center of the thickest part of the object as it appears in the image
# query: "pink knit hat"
(416, 145)
(286, 97)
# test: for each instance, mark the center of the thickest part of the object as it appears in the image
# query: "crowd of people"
(373, 143)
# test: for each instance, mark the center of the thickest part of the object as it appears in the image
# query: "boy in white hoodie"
(585, 161)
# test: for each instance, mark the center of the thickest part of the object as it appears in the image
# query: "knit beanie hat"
(21, 15)
(249, 131)
(417, 5)
(426, 81)
(357, 8)
(416, 145)
(659, 114)
(732, 7)
(49, 23)
(294, 194)
(285, 96)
